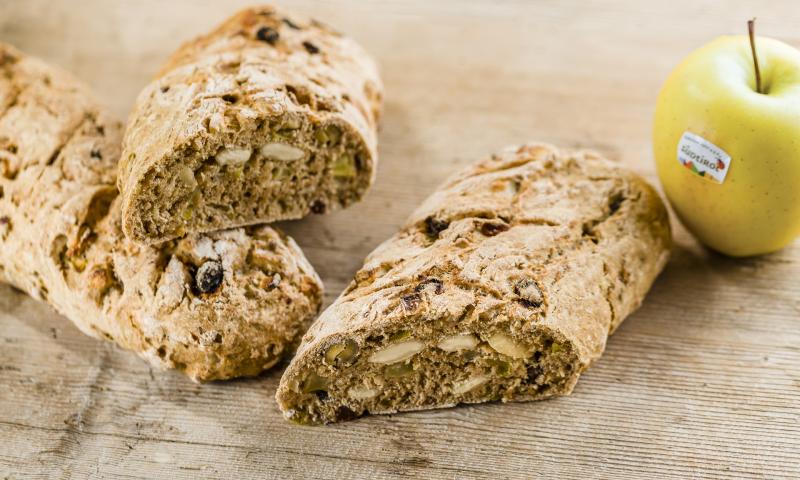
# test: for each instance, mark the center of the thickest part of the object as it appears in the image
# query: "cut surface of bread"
(266, 118)
(504, 285)
(215, 306)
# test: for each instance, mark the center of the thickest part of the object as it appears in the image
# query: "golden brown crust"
(544, 246)
(259, 78)
(214, 306)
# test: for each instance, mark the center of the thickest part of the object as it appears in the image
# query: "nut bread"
(214, 306)
(503, 285)
(266, 118)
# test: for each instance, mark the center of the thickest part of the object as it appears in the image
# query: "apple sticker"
(703, 158)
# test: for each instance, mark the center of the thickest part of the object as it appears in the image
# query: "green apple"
(728, 150)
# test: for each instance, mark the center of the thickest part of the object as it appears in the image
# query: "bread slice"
(214, 306)
(266, 118)
(504, 285)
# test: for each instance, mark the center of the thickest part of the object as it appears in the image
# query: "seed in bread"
(215, 306)
(504, 285)
(266, 118)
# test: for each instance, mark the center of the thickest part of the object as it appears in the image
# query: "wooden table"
(689, 386)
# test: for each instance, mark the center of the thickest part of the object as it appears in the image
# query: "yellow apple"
(728, 156)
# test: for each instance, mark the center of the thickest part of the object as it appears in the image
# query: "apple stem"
(751, 28)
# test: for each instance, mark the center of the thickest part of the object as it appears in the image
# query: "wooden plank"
(700, 387)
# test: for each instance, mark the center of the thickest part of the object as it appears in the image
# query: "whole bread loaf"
(503, 285)
(214, 306)
(266, 118)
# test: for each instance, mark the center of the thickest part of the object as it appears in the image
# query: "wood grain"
(693, 385)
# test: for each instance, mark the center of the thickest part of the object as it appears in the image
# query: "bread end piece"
(268, 117)
(214, 306)
(223, 305)
(504, 285)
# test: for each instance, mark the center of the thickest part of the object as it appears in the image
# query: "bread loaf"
(214, 306)
(503, 285)
(266, 118)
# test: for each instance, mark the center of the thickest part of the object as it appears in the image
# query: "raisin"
(322, 395)
(587, 230)
(311, 48)
(291, 24)
(411, 302)
(615, 202)
(438, 285)
(209, 277)
(490, 229)
(318, 206)
(268, 34)
(434, 226)
(530, 295)
(344, 413)
(95, 153)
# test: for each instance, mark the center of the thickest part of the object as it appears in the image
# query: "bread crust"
(262, 77)
(214, 306)
(551, 248)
